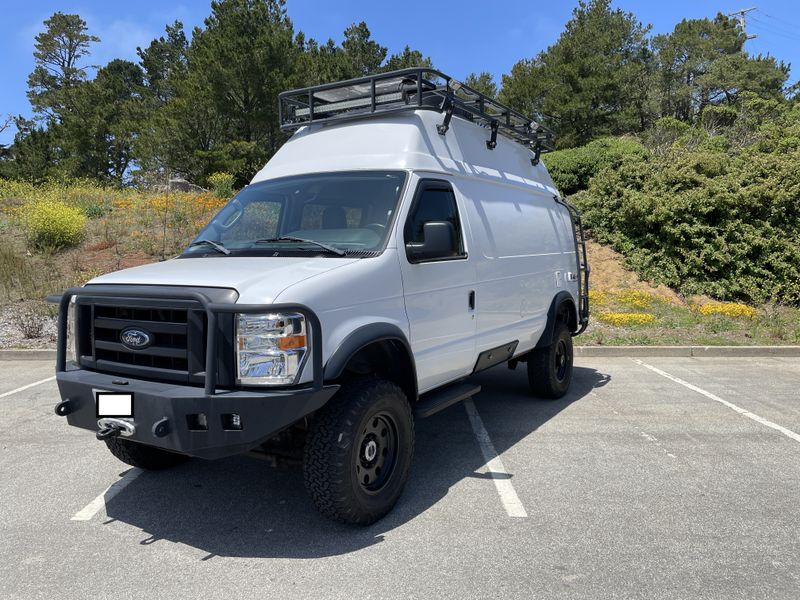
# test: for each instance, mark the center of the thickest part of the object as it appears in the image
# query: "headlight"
(72, 348)
(269, 348)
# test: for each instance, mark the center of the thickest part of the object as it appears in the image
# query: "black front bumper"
(263, 414)
(162, 410)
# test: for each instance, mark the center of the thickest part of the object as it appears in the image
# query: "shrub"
(95, 210)
(597, 297)
(707, 221)
(728, 309)
(664, 133)
(221, 184)
(52, 224)
(635, 298)
(626, 319)
(91, 198)
(30, 321)
(571, 169)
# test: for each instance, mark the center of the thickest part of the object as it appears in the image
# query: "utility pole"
(740, 14)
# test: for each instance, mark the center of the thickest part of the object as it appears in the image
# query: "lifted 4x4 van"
(404, 238)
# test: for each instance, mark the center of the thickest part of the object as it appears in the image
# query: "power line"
(794, 26)
(775, 29)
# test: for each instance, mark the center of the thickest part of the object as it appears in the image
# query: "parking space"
(633, 486)
(15, 374)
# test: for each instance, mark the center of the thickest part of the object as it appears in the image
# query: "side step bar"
(431, 403)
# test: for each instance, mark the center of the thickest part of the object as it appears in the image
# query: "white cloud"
(118, 39)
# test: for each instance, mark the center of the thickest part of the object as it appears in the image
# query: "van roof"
(406, 141)
(408, 136)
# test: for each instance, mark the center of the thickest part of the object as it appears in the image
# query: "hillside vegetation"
(681, 149)
(64, 233)
(125, 228)
(711, 209)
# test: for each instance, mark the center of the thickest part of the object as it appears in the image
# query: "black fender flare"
(362, 337)
(546, 338)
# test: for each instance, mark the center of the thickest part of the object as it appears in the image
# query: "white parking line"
(497, 471)
(91, 509)
(25, 387)
(745, 413)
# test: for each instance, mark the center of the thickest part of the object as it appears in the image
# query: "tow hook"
(110, 428)
(65, 407)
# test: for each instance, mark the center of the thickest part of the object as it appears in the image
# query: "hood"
(258, 280)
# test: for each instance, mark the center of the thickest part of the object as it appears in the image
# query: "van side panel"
(523, 249)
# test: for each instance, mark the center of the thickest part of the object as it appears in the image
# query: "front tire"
(550, 368)
(143, 457)
(358, 452)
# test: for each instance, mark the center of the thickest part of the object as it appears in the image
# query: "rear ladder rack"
(582, 264)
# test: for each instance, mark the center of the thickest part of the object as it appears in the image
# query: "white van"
(403, 239)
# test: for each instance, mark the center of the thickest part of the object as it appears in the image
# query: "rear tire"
(143, 457)
(550, 368)
(358, 451)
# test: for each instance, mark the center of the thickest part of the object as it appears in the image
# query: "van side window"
(435, 201)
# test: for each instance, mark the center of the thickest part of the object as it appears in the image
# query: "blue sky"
(459, 37)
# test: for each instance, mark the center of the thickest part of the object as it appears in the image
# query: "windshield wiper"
(289, 238)
(215, 245)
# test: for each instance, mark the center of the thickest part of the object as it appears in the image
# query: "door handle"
(472, 299)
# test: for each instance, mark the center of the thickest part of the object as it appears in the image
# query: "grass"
(125, 228)
(622, 318)
(25, 276)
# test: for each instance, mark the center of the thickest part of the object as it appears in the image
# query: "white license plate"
(114, 404)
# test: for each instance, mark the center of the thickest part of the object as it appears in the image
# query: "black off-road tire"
(366, 418)
(550, 369)
(143, 457)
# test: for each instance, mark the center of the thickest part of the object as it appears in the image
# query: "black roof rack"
(405, 90)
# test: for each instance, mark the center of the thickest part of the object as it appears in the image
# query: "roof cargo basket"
(408, 90)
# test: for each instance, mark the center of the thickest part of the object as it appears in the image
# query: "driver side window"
(434, 202)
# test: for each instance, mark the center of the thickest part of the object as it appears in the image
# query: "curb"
(687, 351)
(582, 351)
(28, 354)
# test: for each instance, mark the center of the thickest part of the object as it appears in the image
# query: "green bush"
(94, 210)
(52, 224)
(664, 133)
(93, 199)
(571, 169)
(707, 221)
(221, 184)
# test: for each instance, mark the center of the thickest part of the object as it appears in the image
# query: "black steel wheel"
(358, 451)
(550, 368)
(377, 452)
(562, 360)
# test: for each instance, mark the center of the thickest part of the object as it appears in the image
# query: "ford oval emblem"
(135, 339)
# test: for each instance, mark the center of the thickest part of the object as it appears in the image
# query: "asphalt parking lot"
(664, 478)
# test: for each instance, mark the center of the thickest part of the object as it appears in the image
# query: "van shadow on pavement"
(244, 507)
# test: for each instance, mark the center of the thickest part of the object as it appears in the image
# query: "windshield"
(331, 214)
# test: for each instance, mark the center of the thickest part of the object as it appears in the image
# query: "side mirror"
(439, 239)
